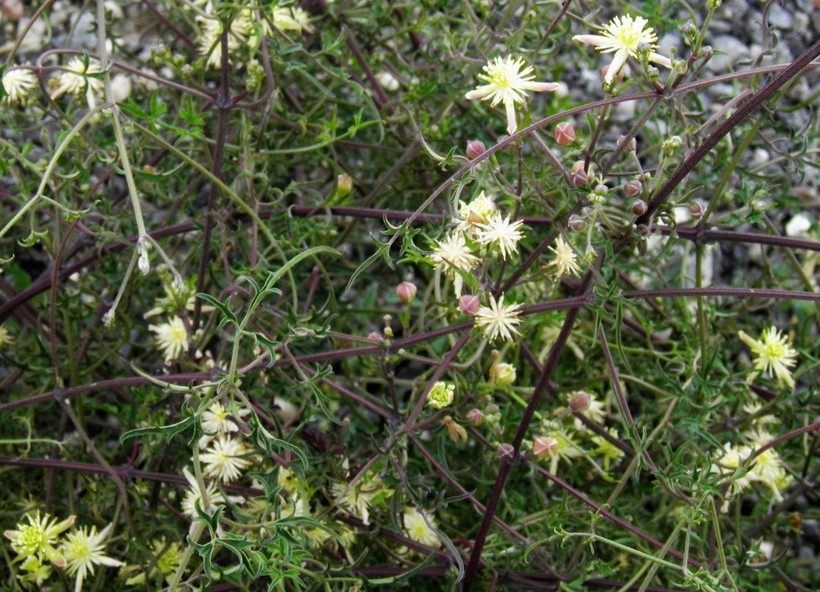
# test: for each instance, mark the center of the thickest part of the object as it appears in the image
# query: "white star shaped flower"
(501, 232)
(420, 527)
(453, 255)
(18, 84)
(498, 320)
(172, 338)
(774, 355)
(508, 81)
(623, 37)
(224, 460)
(85, 548)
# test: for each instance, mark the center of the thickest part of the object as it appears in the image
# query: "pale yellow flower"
(774, 355)
(420, 527)
(38, 537)
(508, 81)
(356, 498)
(499, 320)
(85, 548)
(36, 571)
(767, 468)
(6, 338)
(172, 338)
(217, 421)
(624, 36)
(18, 84)
(608, 451)
(565, 262)
(727, 463)
(476, 212)
(441, 395)
(223, 459)
(194, 495)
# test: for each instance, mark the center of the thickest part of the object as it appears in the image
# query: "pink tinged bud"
(697, 208)
(469, 304)
(631, 147)
(544, 446)
(564, 133)
(475, 417)
(475, 148)
(633, 188)
(577, 175)
(406, 291)
(506, 451)
(639, 207)
(344, 185)
(576, 223)
(579, 401)
(374, 336)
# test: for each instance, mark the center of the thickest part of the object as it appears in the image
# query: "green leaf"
(167, 431)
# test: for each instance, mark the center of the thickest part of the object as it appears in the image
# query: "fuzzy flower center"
(626, 33)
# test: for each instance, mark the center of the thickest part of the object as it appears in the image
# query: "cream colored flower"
(727, 463)
(36, 572)
(18, 84)
(441, 395)
(774, 355)
(290, 18)
(624, 36)
(38, 537)
(223, 459)
(451, 256)
(474, 213)
(356, 498)
(420, 527)
(74, 79)
(501, 233)
(217, 421)
(242, 28)
(85, 548)
(194, 495)
(508, 81)
(565, 261)
(767, 468)
(172, 338)
(499, 320)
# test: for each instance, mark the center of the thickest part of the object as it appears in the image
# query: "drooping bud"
(697, 208)
(579, 401)
(544, 446)
(475, 416)
(475, 148)
(505, 451)
(406, 291)
(502, 374)
(469, 304)
(631, 146)
(632, 188)
(576, 223)
(639, 207)
(564, 133)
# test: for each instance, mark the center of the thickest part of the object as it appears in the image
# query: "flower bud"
(564, 133)
(576, 223)
(632, 188)
(505, 451)
(577, 175)
(406, 291)
(544, 446)
(475, 148)
(631, 146)
(12, 9)
(697, 208)
(579, 401)
(639, 207)
(374, 336)
(344, 185)
(469, 304)
(689, 30)
(475, 416)
(502, 374)
(671, 145)
(706, 53)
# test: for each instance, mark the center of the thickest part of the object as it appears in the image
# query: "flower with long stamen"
(452, 255)
(85, 548)
(498, 320)
(508, 81)
(224, 459)
(172, 338)
(419, 527)
(774, 355)
(501, 232)
(565, 262)
(38, 537)
(624, 36)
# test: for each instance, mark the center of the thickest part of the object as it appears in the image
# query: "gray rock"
(778, 17)
(728, 51)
